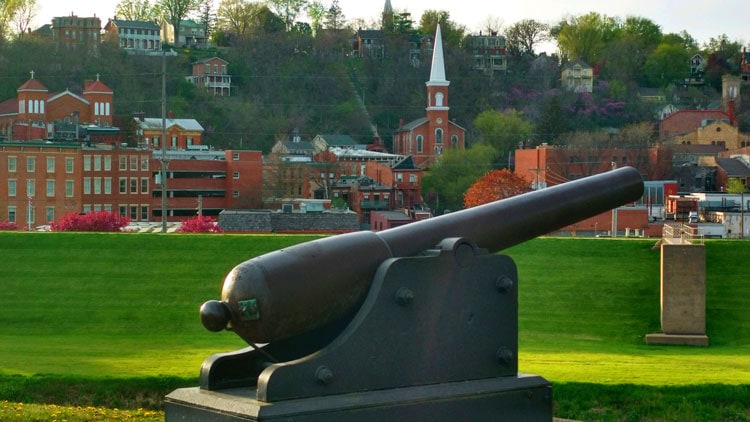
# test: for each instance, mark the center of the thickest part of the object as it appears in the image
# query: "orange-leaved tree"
(495, 185)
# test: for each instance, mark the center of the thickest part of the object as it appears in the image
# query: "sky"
(703, 20)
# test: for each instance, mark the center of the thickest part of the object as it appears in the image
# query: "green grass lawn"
(99, 308)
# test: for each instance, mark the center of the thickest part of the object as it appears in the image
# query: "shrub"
(199, 224)
(97, 221)
(8, 225)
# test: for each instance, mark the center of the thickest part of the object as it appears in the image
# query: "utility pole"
(163, 141)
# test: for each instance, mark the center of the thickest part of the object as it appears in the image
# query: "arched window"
(96, 108)
(454, 141)
(439, 99)
(41, 107)
(439, 136)
(420, 141)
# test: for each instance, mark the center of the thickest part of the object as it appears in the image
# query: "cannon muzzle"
(295, 290)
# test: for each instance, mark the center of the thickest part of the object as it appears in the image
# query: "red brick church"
(427, 138)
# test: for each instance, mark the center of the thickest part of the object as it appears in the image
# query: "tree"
(503, 130)
(443, 186)
(316, 11)
(666, 65)
(206, 16)
(494, 186)
(552, 123)
(238, 17)
(25, 13)
(334, 18)
(735, 185)
(175, 11)
(522, 36)
(135, 10)
(585, 37)
(288, 10)
(452, 32)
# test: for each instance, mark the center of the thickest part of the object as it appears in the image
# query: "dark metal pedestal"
(526, 397)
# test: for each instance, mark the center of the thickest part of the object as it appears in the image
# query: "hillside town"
(65, 153)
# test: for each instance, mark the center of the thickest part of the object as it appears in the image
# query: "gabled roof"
(67, 93)
(209, 59)
(155, 123)
(406, 164)
(733, 167)
(413, 124)
(121, 23)
(575, 63)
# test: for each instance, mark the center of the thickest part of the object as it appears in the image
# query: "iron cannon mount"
(418, 322)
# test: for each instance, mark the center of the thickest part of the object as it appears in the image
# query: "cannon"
(418, 321)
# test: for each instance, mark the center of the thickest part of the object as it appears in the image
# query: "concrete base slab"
(678, 339)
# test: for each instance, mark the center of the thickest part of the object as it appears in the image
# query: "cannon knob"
(215, 315)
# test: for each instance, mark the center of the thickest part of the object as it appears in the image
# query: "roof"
(338, 140)
(406, 164)
(155, 123)
(121, 23)
(32, 85)
(575, 63)
(362, 153)
(9, 107)
(209, 59)
(97, 86)
(413, 124)
(733, 167)
(686, 121)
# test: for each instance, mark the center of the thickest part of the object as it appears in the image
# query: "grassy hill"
(125, 307)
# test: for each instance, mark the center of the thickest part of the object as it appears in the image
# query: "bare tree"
(25, 13)
(522, 36)
(135, 10)
(288, 10)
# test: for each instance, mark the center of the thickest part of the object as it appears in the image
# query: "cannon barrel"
(298, 289)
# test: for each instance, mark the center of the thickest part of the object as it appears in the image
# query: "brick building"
(211, 74)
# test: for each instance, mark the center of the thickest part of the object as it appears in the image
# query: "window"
(30, 216)
(11, 187)
(133, 163)
(123, 162)
(30, 164)
(144, 212)
(86, 208)
(399, 177)
(155, 141)
(235, 194)
(235, 156)
(108, 207)
(68, 188)
(69, 164)
(123, 185)
(50, 164)
(107, 185)
(144, 184)
(86, 185)
(11, 164)
(30, 188)
(439, 136)
(97, 163)
(49, 214)
(454, 141)
(236, 175)
(173, 142)
(133, 212)
(12, 214)
(97, 185)
(50, 188)
(144, 163)
(107, 163)
(420, 141)
(86, 163)
(412, 178)
(123, 210)
(133, 185)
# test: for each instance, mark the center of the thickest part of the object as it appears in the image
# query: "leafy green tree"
(667, 64)
(135, 10)
(317, 12)
(237, 16)
(504, 131)
(723, 58)
(444, 185)
(585, 37)
(452, 32)
(735, 185)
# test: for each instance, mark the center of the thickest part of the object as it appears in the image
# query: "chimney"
(400, 123)
(170, 114)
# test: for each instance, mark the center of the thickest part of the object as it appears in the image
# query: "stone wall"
(269, 221)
